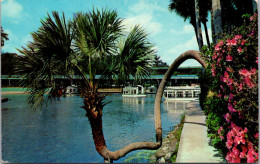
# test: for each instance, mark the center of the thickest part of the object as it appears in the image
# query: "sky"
(168, 32)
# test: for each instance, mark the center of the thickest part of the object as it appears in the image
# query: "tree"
(135, 55)
(48, 55)
(205, 7)
(217, 20)
(159, 62)
(8, 63)
(189, 12)
(60, 47)
(4, 36)
(198, 24)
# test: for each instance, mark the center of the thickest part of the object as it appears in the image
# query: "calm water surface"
(60, 132)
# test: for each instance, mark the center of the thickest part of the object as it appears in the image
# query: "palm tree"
(191, 54)
(187, 10)
(54, 51)
(49, 54)
(135, 55)
(95, 36)
(217, 20)
(4, 36)
(198, 24)
(205, 7)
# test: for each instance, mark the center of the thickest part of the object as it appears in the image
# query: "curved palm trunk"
(206, 32)
(93, 106)
(157, 104)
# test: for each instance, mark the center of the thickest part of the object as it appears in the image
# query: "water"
(61, 133)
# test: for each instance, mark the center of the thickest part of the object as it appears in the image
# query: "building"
(183, 76)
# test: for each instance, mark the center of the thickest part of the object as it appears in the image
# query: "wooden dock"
(110, 90)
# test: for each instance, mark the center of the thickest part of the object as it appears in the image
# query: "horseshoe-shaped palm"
(96, 118)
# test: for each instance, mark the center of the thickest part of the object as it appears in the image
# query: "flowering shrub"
(233, 79)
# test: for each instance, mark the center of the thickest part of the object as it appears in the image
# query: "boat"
(151, 90)
(181, 93)
(73, 89)
(137, 91)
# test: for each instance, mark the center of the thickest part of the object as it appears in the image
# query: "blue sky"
(167, 31)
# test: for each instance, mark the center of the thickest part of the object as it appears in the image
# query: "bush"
(230, 97)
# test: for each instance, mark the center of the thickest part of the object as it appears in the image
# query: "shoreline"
(167, 153)
(14, 92)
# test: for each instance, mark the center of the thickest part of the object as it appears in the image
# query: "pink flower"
(217, 47)
(230, 108)
(243, 153)
(214, 57)
(220, 129)
(239, 50)
(253, 71)
(229, 143)
(229, 69)
(230, 135)
(256, 135)
(238, 37)
(240, 87)
(251, 18)
(245, 130)
(231, 96)
(252, 156)
(213, 70)
(229, 58)
(244, 72)
(252, 33)
(233, 156)
(243, 42)
(232, 42)
(230, 82)
(256, 60)
(239, 140)
(249, 82)
(227, 117)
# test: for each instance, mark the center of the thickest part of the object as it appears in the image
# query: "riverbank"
(167, 153)
(188, 142)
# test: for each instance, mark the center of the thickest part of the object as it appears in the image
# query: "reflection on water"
(176, 107)
(60, 132)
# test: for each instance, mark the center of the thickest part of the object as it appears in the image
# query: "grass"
(177, 134)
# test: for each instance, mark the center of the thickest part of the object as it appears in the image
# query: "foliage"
(8, 63)
(159, 63)
(4, 37)
(48, 55)
(92, 43)
(230, 96)
(232, 11)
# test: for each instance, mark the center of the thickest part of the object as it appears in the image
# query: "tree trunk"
(157, 104)
(217, 20)
(254, 4)
(206, 32)
(212, 27)
(196, 33)
(94, 106)
(198, 25)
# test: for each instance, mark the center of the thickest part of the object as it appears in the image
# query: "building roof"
(18, 77)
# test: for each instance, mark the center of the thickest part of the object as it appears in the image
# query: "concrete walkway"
(194, 144)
